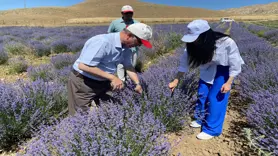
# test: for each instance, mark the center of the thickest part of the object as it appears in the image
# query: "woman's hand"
(226, 87)
(138, 89)
(173, 84)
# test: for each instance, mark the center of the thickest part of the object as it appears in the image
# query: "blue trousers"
(211, 106)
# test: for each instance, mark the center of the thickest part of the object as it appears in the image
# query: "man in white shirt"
(219, 60)
(92, 77)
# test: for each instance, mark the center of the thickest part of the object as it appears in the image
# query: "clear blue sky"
(208, 4)
(211, 4)
(15, 4)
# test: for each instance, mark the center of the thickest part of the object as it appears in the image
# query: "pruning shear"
(172, 93)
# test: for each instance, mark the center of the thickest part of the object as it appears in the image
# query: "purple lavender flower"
(3, 55)
(62, 60)
(39, 48)
(109, 130)
(46, 72)
(18, 64)
(25, 106)
(263, 115)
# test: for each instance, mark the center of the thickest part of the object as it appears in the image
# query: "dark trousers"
(82, 91)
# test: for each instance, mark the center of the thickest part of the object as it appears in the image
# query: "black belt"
(77, 74)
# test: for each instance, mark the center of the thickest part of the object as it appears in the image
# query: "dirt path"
(230, 143)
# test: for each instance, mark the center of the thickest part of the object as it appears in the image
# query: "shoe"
(204, 136)
(195, 124)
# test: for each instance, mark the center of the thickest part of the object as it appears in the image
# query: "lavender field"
(33, 111)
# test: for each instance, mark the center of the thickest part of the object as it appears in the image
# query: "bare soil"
(231, 142)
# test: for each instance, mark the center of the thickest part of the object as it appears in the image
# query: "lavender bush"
(173, 111)
(18, 65)
(263, 115)
(259, 30)
(3, 55)
(16, 48)
(45, 72)
(25, 106)
(109, 130)
(39, 49)
(63, 60)
(162, 43)
(61, 46)
(272, 35)
(63, 74)
(258, 84)
(262, 77)
(38, 40)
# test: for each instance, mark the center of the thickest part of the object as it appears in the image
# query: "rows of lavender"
(271, 34)
(28, 108)
(259, 85)
(15, 42)
(111, 128)
(37, 108)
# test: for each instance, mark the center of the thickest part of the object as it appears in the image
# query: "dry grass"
(144, 20)
(99, 20)
(255, 17)
(262, 9)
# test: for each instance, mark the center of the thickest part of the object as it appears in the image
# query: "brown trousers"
(83, 91)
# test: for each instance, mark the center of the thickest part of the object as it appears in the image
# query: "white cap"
(127, 8)
(142, 31)
(194, 29)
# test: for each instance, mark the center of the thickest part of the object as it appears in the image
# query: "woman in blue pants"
(219, 60)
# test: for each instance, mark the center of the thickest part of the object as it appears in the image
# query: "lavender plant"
(263, 115)
(173, 111)
(262, 77)
(39, 49)
(46, 72)
(16, 48)
(258, 84)
(109, 130)
(3, 55)
(62, 60)
(25, 106)
(18, 65)
(63, 74)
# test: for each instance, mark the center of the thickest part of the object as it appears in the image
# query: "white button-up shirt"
(226, 54)
(104, 51)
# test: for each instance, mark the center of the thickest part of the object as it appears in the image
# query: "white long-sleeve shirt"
(226, 54)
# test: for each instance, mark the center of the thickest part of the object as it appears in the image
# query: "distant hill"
(111, 8)
(103, 11)
(100, 8)
(264, 9)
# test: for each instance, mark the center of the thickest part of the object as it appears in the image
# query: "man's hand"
(138, 89)
(134, 77)
(226, 88)
(116, 83)
(173, 85)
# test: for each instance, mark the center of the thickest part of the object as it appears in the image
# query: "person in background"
(92, 77)
(219, 60)
(117, 26)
